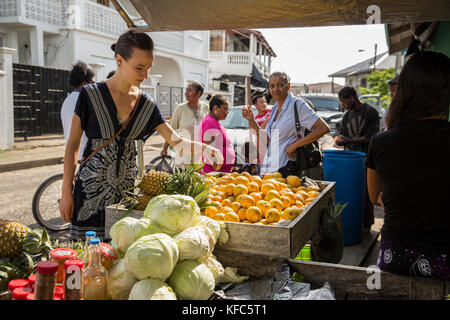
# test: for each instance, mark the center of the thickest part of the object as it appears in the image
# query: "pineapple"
(153, 183)
(142, 202)
(12, 235)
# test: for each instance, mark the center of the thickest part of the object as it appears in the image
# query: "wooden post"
(248, 91)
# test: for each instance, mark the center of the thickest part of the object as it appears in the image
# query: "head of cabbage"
(192, 280)
(152, 256)
(193, 243)
(119, 281)
(125, 231)
(173, 213)
(152, 289)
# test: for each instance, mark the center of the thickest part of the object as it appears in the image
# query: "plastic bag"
(164, 165)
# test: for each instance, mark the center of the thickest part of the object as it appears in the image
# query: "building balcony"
(238, 63)
(53, 15)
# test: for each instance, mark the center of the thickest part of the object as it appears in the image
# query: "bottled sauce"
(61, 255)
(44, 286)
(94, 274)
(89, 235)
(109, 255)
(14, 284)
(31, 281)
(21, 293)
(73, 279)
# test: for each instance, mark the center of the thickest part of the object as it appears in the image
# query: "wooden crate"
(282, 240)
(347, 282)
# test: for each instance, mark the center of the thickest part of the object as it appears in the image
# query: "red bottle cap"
(30, 296)
(32, 279)
(108, 251)
(74, 262)
(21, 293)
(63, 253)
(57, 298)
(17, 283)
(59, 291)
(47, 267)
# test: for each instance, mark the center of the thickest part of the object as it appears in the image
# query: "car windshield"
(324, 104)
(235, 120)
(373, 101)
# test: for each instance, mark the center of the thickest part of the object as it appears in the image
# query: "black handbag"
(307, 156)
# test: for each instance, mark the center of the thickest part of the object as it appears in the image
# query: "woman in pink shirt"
(212, 133)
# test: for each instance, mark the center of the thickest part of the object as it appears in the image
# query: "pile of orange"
(240, 197)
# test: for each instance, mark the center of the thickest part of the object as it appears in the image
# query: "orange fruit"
(263, 221)
(234, 174)
(263, 205)
(293, 181)
(256, 195)
(225, 202)
(222, 195)
(253, 187)
(312, 188)
(277, 204)
(226, 209)
(247, 175)
(273, 215)
(232, 198)
(308, 201)
(286, 201)
(231, 216)
(299, 204)
(246, 221)
(256, 179)
(228, 189)
(253, 214)
(239, 197)
(268, 176)
(219, 216)
(235, 206)
(247, 201)
(241, 180)
(271, 194)
(304, 194)
(266, 187)
(283, 186)
(277, 175)
(291, 197)
(211, 211)
(292, 212)
(313, 194)
(217, 204)
(301, 188)
(242, 214)
(300, 197)
(240, 189)
(275, 183)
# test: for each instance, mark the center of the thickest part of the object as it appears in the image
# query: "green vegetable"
(125, 231)
(119, 281)
(152, 256)
(152, 289)
(173, 213)
(192, 280)
(193, 243)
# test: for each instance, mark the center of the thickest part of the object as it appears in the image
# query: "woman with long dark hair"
(409, 171)
(102, 110)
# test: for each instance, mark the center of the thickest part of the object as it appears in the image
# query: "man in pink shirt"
(214, 134)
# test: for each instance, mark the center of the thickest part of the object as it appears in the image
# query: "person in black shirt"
(409, 171)
(359, 124)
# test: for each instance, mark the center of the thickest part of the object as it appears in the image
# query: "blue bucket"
(348, 170)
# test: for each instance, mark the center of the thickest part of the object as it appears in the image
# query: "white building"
(57, 33)
(235, 54)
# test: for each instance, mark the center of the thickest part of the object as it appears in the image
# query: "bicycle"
(45, 205)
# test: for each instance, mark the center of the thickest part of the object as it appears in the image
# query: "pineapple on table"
(154, 183)
(12, 235)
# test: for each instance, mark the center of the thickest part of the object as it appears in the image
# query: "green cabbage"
(152, 228)
(193, 244)
(119, 281)
(152, 289)
(214, 266)
(192, 280)
(173, 213)
(211, 224)
(125, 231)
(152, 256)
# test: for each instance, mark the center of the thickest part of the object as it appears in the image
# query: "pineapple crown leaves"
(37, 244)
(335, 209)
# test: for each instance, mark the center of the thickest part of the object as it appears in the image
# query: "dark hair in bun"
(130, 40)
(215, 100)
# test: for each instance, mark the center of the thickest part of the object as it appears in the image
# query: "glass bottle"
(94, 274)
(89, 235)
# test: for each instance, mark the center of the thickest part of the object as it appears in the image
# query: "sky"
(309, 55)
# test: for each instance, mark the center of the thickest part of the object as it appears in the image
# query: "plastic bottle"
(94, 274)
(89, 235)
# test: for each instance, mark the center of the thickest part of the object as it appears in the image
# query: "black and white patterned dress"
(113, 169)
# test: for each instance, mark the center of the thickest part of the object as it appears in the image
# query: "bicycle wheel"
(45, 204)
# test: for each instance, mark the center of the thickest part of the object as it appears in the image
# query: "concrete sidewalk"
(46, 150)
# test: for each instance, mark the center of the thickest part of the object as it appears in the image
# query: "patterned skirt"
(101, 182)
(409, 261)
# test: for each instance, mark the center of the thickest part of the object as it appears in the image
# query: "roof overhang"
(177, 15)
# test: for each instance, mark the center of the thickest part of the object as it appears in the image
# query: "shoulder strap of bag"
(117, 133)
(297, 122)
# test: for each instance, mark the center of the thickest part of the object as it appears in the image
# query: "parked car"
(327, 106)
(238, 131)
(375, 101)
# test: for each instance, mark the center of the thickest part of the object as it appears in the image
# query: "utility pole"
(374, 58)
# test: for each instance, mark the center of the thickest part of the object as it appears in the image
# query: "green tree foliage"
(378, 84)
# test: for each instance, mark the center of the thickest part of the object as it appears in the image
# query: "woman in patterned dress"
(102, 108)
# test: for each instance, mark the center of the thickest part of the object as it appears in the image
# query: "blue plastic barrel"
(348, 170)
